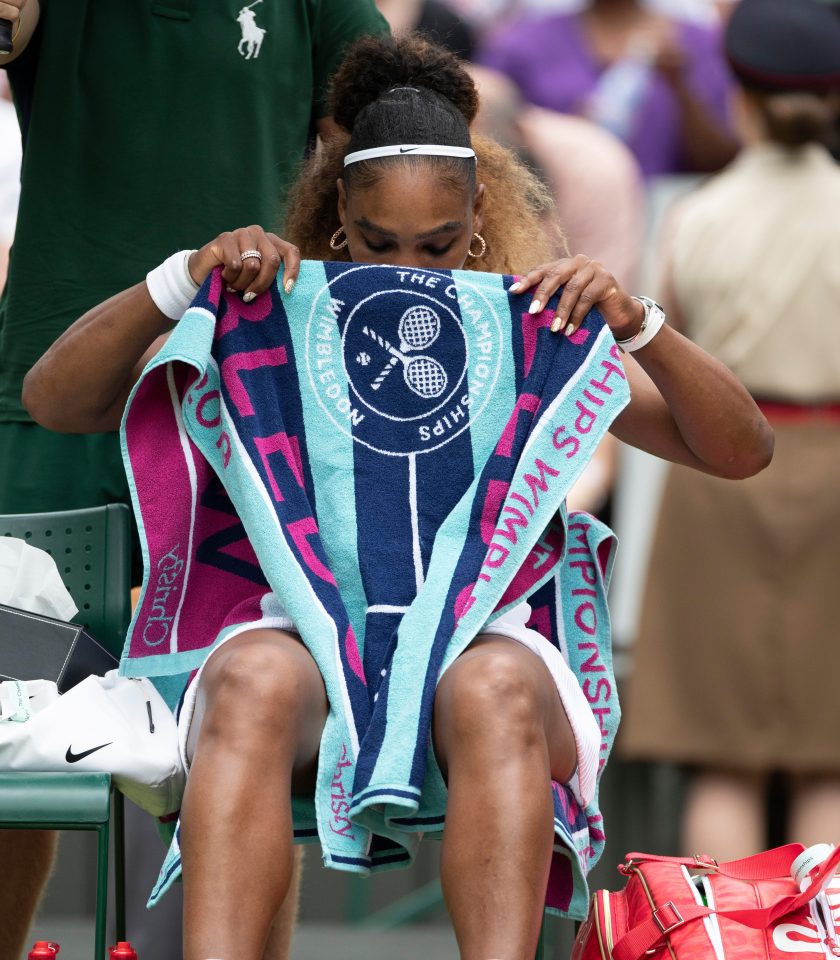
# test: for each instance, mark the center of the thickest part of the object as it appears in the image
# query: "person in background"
(595, 181)
(130, 147)
(433, 19)
(496, 706)
(599, 195)
(658, 83)
(736, 660)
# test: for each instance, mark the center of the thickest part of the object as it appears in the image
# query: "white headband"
(398, 149)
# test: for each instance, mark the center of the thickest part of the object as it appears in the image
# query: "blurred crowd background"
(630, 112)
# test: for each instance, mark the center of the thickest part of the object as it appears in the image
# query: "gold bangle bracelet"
(19, 25)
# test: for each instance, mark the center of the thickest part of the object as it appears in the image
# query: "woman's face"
(410, 218)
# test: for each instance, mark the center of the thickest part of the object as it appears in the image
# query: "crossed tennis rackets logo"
(418, 329)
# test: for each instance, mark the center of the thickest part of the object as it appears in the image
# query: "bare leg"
(724, 815)
(501, 735)
(814, 809)
(27, 858)
(280, 937)
(264, 707)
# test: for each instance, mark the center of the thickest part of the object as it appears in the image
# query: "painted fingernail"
(249, 296)
(230, 289)
(556, 324)
(570, 329)
(287, 286)
(514, 287)
(535, 307)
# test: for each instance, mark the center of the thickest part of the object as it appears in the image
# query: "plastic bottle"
(616, 100)
(44, 950)
(122, 951)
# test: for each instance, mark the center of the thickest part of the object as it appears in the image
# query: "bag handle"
(669, 917)
(761, 866)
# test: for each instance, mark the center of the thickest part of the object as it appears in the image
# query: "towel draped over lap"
(384, 456)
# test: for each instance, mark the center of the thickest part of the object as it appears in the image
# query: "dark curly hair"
(407, 90)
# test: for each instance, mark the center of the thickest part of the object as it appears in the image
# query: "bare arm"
(24, 16)
(706, 143)
(685, 406)
(81, 384)
(689, 408)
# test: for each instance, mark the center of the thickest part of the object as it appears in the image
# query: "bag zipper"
(824, 920)
(606, 934)
(714, 923)
(143, 681)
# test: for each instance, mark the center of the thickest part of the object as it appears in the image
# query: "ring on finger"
(245, 255)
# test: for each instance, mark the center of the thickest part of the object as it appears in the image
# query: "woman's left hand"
(586, 284)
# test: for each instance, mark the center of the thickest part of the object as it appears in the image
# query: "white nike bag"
(111, 724)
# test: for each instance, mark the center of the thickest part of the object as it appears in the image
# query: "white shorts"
(586, 732)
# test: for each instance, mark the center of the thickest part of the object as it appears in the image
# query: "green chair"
(92, 551)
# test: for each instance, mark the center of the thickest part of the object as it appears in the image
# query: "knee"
(262, 684)
(491, 694)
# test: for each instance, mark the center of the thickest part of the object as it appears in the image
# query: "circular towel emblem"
(402, 360)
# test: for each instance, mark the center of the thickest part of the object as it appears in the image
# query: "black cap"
(785, 45)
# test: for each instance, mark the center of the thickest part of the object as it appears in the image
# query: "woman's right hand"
(249, 276)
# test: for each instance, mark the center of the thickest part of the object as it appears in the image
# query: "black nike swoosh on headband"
(407, 149)
(71, 757)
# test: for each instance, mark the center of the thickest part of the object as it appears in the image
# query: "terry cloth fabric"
(383, 456)
(513, 625)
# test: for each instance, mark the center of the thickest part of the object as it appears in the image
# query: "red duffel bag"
(783, 904)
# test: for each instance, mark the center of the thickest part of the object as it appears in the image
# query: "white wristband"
(652, 323)
(171, 286)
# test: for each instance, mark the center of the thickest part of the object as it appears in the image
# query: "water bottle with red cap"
(122, 951)
(43, 950)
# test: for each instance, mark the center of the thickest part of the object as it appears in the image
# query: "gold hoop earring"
(333, 240)
(482, 251)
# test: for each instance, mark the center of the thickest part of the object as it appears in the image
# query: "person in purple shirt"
(660, 84)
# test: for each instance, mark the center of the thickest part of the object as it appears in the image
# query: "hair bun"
(373, 65)
(794, 119)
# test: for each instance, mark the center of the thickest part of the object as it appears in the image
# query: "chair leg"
(119, 864)
(101, 891)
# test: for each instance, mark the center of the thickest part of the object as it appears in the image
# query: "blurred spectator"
(9, 174)
(595, 180)
(599, 198)
(488, 11)
(433, 19)
(593, 177)
(194, 126)
(481, 13)
(658, 82)
(736, 662)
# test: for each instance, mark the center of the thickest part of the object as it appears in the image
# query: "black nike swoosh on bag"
(71, 757)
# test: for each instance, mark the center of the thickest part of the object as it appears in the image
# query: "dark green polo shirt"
(151, 126)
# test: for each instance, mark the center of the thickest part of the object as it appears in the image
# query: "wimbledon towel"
(384, 455)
